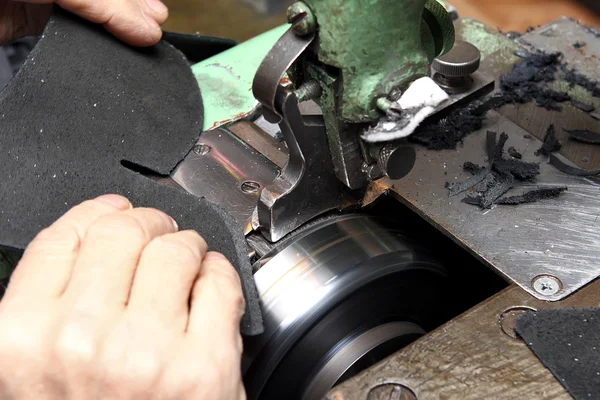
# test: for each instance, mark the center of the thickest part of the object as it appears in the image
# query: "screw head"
(301, 16)
(250, 187)
(395, 94)
(547, 285)
(201, 149)
(391, 391)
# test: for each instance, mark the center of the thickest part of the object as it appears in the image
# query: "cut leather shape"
(82, 104)
(567, 342)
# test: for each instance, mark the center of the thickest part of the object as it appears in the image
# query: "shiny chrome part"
(333, 292)
(219, 167)
(261, 137)
(307, 186)
(278, 61)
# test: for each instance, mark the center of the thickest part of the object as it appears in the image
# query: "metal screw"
(373, 171)
(308, 91)
(391, 391)
(201, 149)
(391, 109)
(384, 104)
(395, 94)
(301, 16)
(547, 285)
(250, 187)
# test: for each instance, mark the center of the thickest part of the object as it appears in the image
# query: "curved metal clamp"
(277, 62)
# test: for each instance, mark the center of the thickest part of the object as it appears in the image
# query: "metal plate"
(471, 357)
(559, 36)
(219, 174)
(559, 237)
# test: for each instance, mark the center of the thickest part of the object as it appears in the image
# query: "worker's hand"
(136, 22)
(112, 302)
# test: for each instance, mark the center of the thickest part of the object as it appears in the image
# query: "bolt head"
(301, 16)
(250, 187)
(547, 285)
(389, 391)
(201, 149)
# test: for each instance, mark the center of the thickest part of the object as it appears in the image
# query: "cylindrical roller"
(337, 297)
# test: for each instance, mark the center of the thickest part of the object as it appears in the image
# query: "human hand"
(114, 302)
(136, 22)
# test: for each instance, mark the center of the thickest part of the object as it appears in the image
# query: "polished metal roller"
(337, 297)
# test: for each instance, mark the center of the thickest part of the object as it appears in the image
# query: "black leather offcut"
(567, 342)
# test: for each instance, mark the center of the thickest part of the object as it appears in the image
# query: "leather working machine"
(352, 271)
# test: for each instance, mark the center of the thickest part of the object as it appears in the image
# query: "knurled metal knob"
(453, 70)
(397, 159)
(462, 60)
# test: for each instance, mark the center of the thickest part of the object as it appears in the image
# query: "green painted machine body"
(377, 46)
(225, 80)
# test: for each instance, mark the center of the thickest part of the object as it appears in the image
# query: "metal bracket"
(277, 62)
(307, 186)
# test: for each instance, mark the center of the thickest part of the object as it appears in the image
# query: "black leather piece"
(567, 342)
(81, 104)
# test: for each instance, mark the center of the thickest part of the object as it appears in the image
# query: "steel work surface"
(558, 237)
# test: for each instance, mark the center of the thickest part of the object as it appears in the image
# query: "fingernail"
(157, 6)
(115, 200)
(175, 225)
(214, 256)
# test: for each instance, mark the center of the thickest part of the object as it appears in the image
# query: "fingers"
(217, 303)
(166, 273)
(212, 335)
(108, 257)
(47, 263)
(133, 21)
(136, 22)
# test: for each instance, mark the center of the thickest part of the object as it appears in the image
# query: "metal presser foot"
(307, 185)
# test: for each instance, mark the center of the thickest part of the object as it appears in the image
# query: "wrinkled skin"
(114, 302)
(136, 22)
